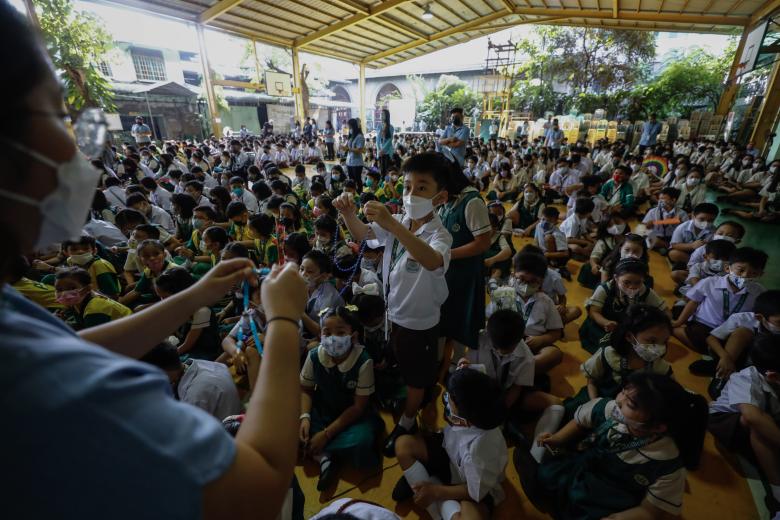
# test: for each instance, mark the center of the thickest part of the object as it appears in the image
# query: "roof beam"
(437, 36)
(736, 21)
(252, 35)
(510, 6)
(400, 27)
(350, 4)
(356, 18)
(765, 10)
(217, 9)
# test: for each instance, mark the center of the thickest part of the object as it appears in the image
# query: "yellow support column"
(728, 95)
(362, 90)
(297, 87)
(769, 111)
(211, 98)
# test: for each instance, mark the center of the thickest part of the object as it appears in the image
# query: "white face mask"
(63, 211)
(649, 352)
(691, 181)
(738, 281)
(616, 229)
(82, 259)
(417, 207)
(724, 237)
(629, 255)
(631, 293)
(715, 266)
(525, 289)
(336, 346)
(700, 224)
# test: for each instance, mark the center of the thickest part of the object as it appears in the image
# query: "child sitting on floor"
(663, 219)
(83, 306)
(552, 241)
(610, 234)
(460, 470)
(746, 416)
(578, 228)
(628, 456)
(316, 269)
(610, 301)
(337, 380)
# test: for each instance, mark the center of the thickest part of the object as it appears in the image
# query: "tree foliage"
(77, 43)
(450, 92)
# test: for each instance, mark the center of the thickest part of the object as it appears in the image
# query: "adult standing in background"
(307, 130)
(141, 132)
(124, 446)
(456, 135)
(384, 142)
(553, 139)
(650, 131)
(355, 146)
(330, 140)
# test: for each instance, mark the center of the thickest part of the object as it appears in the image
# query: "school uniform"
(599, 207)
(529, 213)
(204, 201)
(540, 314)
(561, 244)
(498, 243)
(663, 231)
(513, 369)
(574, 227)
(160, 217)
(552, 285)
(738, 320)
(116, 196)
(41, 293)
(690, 197)
(687, 232)
(478, 459)
(697, 256)
(162, 198)
(102, 274)
(640, 181)
(414, 296)
(748, 386)
(334, 389)
(622, 194)
(616, 471)
(613, 305)
(326, 296)
(717, 300)
(209, 386)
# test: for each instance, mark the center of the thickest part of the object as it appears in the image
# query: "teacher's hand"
(221, 279)
(284, 293)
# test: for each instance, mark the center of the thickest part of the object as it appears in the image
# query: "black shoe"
(715, 387)
(389, 448)
(703, 367)
(402, 490)
(327, 474)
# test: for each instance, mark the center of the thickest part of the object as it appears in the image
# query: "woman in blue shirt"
(355, 147)
(384, 142)
(89, 432)
(330, 134)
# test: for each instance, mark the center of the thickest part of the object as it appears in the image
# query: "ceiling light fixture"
(427, 14)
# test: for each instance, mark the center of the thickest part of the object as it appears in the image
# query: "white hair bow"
(371, 289)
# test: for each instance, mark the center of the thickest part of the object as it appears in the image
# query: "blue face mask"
(546, 226)
(450, 417)
(238, 191)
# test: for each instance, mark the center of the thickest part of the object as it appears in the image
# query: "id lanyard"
(395, 256)
(247, 314)
(727, 311)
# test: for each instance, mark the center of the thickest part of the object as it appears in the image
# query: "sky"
(126, 24)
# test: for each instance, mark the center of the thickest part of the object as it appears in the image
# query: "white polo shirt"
(748, 386)
(552, 285)
(738, 320)
(573, 227)
(561, 243)
(160, 217)
(478, 458)
(687, 232)
(415, 293)
(513, 369)
(540, 314)
(717, 301)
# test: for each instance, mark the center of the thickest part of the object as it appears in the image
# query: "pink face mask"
(70, 298)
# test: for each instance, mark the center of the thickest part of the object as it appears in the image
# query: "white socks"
(548, 423)
(407, 423)
(417, 473)
(449, 508)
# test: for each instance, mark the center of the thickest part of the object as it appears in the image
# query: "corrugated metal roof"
(385, 32)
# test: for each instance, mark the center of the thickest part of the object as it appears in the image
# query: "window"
(192, 78)
(149, 65)
(105, 69)
(188, 56)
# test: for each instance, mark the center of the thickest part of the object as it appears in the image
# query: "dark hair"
(354, 127)
(261, 190)
(208, 211)
(217, 234)
(624, 169)
(262, 223)
(236, 180)
(99, 202)
(237, 249)
(185, 204)
(164, 356)
(298, 243)
(671, 192)
(295, 211)
(149, 183)
(174, 280)
(505, 328)
(83, 240)
(82, 276)
(134, 199)
(150, 242)
(322, 260)
(112, 181)
(531, 262)
(235, 209)
(591, 180)
(129, 217)
(550, 212)
(764, 353)
(722, 249)
(300, 169)
(151, 230)
(220, 196)
(478, 398)
(275, 202)
(753, 257)
(736, 225)
(584, 205)
(350, 317)
(637, 318)
(613, 257)
(370, 307)
(631, 266)
(280, 185)
(195, 185)
(707, 208)
(666, 402)
(430, 163)
(327, 223)
(768, 303)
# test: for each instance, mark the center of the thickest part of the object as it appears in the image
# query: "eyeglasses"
(89, 128)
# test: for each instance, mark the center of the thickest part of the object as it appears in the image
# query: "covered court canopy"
(380, 33)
